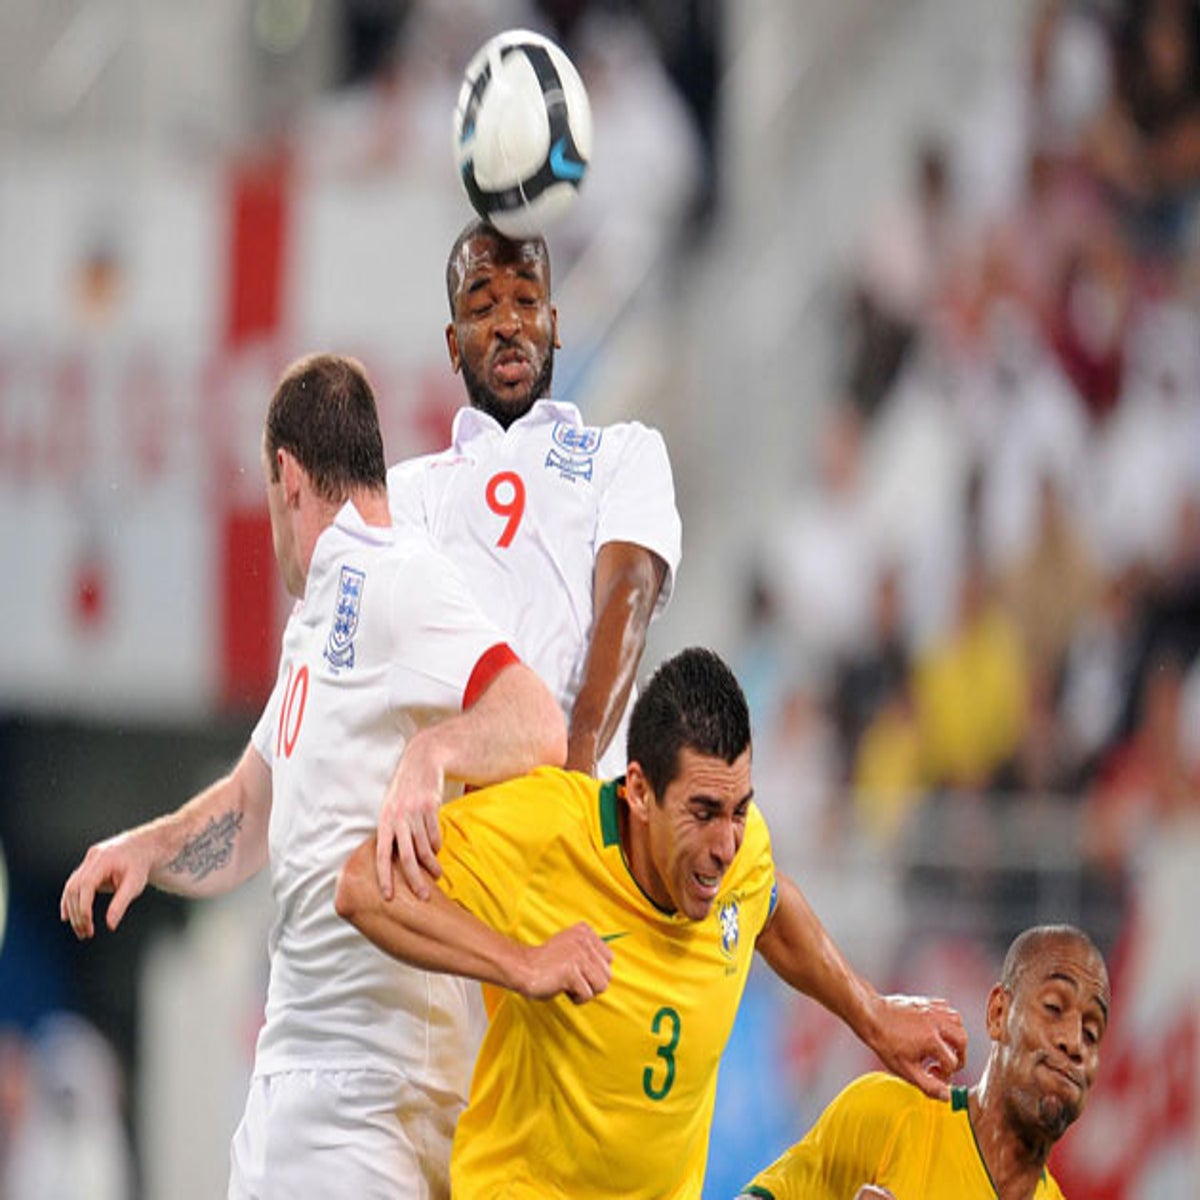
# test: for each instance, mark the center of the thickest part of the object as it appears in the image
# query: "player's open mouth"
(706, 885)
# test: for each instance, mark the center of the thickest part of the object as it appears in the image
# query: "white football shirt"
(387, 638)
(524, 511)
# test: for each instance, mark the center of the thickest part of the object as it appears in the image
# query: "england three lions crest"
(574, 450)
(574, 440)
(339, 649)
(727, 916)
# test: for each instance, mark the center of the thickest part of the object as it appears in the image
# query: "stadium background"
(874, 269)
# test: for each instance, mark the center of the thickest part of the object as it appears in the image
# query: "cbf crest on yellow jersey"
(884, 1131)
(613, 1097)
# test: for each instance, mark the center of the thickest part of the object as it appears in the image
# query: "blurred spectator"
(1146, 779)
(394, 111)
(1069, 75)
(1049, 587)
(69, 1141)
(1026, 422)
(1174, 608)
(14, 1094)
(370, 30)
(765, 660)
(1146, 146)
(876, 669)
(1100, 667)
(1044, 763)
(886, 774)
(1142, 462)
(797, 771)
(647, 158)
(1089, 319)
(972, 690)
(922, 496)
(822, 559)
(895, 284)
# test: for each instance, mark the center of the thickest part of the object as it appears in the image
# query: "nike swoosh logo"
(612, 937)
(563, 167)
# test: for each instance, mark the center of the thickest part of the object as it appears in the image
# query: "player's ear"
(554, 328)
(638, 792)
(999, 1000)
(291, 475)
(452, 347)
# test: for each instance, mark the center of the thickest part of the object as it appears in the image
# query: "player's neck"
(1014, 1162)
(372, 505)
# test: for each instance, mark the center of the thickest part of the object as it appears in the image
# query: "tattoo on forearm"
(210, 849)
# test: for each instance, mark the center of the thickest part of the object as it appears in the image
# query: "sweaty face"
(504, 330)
(1049, 1035)
(693, 834)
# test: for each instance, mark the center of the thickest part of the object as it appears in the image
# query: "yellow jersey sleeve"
(848, 1146)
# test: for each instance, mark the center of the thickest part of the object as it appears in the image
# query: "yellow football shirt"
(884, 1131)
(613, 1097)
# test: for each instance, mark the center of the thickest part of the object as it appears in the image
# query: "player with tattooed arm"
(391, 683)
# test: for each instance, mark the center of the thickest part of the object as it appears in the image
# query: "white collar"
(471, 423)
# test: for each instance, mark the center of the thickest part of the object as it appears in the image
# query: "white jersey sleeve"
(263, 737)
(440, 634)
(638, 505)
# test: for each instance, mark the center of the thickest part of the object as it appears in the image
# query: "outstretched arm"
(919, 1039)
(437, 934)
(211, 844)
(514, 726)
(625, 589)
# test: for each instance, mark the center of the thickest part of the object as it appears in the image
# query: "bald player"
(1046, 1019)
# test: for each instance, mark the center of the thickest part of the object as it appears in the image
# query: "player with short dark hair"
(646, 900)
(337, 442)
(1046, 1019)
(567, 532)
(390, 680)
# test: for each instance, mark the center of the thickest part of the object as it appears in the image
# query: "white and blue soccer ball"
(522, 132)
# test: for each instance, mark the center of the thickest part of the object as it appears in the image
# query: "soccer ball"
(522, 132)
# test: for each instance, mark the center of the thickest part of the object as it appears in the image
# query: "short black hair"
(323, 412)
(692, 700)
(480, 228)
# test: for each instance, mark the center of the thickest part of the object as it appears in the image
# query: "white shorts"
(364, 1134)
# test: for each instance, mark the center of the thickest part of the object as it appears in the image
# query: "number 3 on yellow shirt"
(669, 1018)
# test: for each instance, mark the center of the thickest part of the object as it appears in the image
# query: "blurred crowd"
(651, 79)
(987, 588)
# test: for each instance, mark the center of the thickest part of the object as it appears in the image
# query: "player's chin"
(510, 402)
(1057, 1114)
(698, 897)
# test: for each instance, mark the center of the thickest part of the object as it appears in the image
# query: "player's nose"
(507, 319)
(1070, 1037)
(724, 842)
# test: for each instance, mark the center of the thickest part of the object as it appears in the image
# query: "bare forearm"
(434, 934)
(800, 951)
(218, 839)
(920, 1039)
(209, 845)
(628, 580)
(202, 851)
